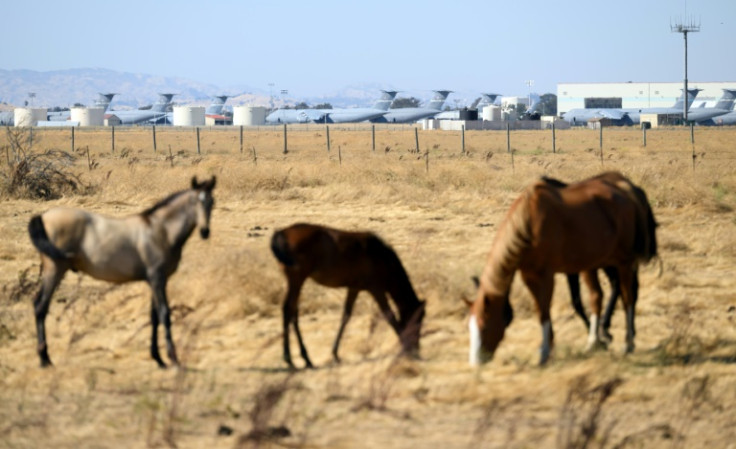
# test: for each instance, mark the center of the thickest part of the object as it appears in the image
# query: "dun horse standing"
(143, 247)
(356, 260)
(604, 221)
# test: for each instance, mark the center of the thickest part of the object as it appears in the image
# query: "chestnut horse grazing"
(356, 260)
(142, 247)
(573, 279)
(604, 221)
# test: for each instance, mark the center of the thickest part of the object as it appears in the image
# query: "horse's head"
(411, 330)
(490, 314)
(205, 203)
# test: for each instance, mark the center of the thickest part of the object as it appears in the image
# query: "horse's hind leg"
(51, 275)
(613, 278)
(573, 281)
(291, 315)
(596, 299)
(347, 312)
(629, 294)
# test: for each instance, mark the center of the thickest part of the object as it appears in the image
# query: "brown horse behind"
(604, 221)
(356, 260)
(142, 247)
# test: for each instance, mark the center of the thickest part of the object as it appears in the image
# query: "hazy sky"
(314, 48)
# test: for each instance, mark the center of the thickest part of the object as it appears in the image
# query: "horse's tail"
(645, 243)
(281, 249)
(41, 240)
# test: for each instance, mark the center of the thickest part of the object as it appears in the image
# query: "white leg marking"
(546, 341)
(474, 356)
(593, 333)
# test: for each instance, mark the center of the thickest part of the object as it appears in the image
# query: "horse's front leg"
(541, 287)
(347, 312)
(155, 355)
(158, 285)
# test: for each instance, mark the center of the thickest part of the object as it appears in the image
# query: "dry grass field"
(439, 209)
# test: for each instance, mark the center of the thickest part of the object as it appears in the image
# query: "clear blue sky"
(313, 48)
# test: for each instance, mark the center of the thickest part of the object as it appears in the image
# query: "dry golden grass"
(440, 213)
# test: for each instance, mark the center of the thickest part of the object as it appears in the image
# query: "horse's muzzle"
(204, 233)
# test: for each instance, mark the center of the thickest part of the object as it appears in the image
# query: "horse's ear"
(195, 184)
(211, 183)
(467, 302)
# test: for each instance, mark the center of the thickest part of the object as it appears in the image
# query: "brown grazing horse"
(142, 247)
(356, 260)
(573, 281)
(604, 221)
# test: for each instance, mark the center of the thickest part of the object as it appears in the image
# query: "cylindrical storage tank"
(189, 115)
(88, 116)
(492, 113)
(29, 116)
(249, 115)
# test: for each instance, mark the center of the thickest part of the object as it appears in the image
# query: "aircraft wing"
(610, 114)
(310, 115)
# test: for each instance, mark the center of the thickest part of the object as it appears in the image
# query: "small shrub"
(46, 175)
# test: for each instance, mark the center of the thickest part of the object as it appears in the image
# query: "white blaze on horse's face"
(205, 202)
(477, 354)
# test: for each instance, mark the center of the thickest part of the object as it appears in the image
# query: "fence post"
(554, 139)
(30, 137)
(416, 139)
(241, 139)
(508, 142)
(327, 128)
(692, 132)
(373, 137)
(600, 140)
(73, 138)
(285, 146)
(154, 139)
(198, 149)
(644, 135)
(112, 139)
(462, 138)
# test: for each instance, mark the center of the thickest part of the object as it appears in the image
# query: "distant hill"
(64, 88)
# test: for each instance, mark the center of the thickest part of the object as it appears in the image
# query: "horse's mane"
(163, 203)
(514, 235)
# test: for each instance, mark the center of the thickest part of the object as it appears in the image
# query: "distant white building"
(634, 95)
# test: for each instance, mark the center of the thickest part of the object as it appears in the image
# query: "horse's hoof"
(596, 345)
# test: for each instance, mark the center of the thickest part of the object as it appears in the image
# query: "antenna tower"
(685, 26)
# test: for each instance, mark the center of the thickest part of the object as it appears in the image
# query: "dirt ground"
(439, 209)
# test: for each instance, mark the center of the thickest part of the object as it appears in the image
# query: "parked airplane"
(103, 101)
(706, 116)
(156, 114)
(626, 116)
(337, 115)
(410, 115)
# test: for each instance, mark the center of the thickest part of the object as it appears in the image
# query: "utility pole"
(685, 27)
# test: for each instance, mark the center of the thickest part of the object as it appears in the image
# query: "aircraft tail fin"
(439, 99)
(691, 94)
(727, 100)
(387, 97)
(164, 101)
(104, 100)
(215, 108)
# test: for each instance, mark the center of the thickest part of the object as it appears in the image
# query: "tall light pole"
(684, 28)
